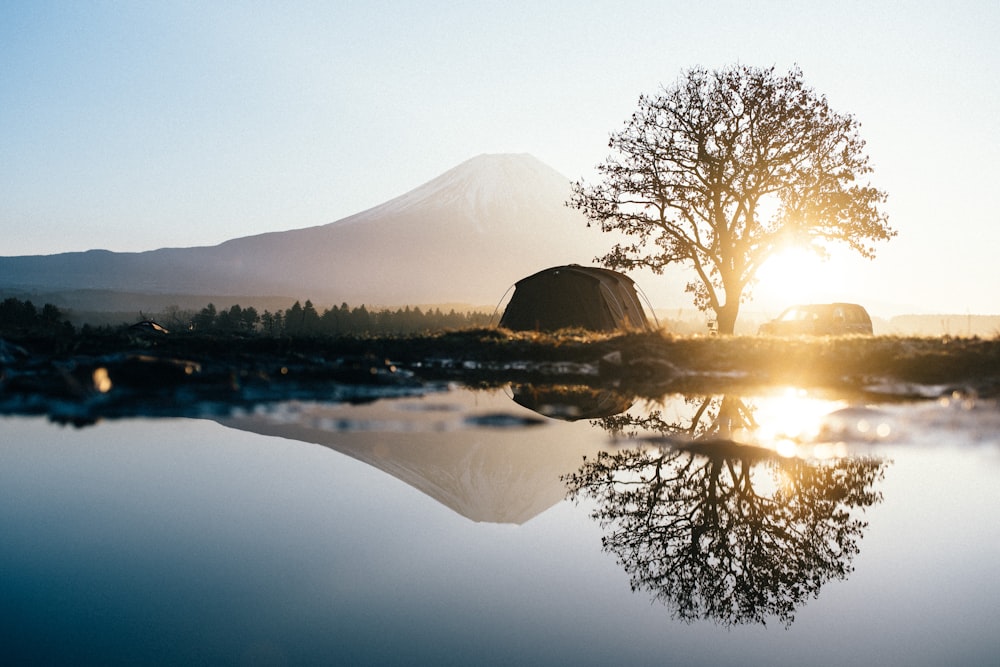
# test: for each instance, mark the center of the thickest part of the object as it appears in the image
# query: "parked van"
(825, 319)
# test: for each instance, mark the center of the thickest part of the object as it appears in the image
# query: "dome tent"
(574, 296)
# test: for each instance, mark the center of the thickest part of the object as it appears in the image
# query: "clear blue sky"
(139, 125)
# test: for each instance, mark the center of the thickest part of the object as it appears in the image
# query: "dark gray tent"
(574, 296)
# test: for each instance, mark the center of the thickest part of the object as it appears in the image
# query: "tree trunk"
(726, 318)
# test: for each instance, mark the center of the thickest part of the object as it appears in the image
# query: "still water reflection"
(529, 525)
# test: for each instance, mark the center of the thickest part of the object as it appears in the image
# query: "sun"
(796, 275)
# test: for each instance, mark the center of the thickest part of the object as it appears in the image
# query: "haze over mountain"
(463, 237)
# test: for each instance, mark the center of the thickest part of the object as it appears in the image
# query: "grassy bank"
(647, 362)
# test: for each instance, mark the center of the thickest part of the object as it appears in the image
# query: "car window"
(801, 314)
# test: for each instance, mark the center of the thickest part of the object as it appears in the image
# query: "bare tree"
(724, 168)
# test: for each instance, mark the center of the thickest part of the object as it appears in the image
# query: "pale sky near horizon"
(138, 125)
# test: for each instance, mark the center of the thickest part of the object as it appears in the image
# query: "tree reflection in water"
(722, 531)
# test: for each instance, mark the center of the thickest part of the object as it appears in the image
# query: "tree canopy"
(724, 168)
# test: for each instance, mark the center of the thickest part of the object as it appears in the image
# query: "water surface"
(525, 525)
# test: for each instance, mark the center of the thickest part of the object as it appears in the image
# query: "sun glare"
(792, 420)
(796, 276)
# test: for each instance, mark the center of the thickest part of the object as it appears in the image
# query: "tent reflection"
(571, 402)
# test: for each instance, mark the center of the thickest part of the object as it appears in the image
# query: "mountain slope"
(464, 236)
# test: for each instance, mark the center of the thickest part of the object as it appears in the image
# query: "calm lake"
(514, 526)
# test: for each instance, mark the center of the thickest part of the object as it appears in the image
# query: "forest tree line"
(17, 315)
(303, 319)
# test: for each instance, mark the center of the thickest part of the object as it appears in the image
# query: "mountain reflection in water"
(462, 456)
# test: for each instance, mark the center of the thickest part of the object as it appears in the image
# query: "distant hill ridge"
(463, 237)
(943, 324)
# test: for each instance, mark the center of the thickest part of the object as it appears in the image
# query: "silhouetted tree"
(236, 319)
(723, 169)
(293, 320)
(694, 530)
(273, 323)
(361, 320)
(17, 315)
(723, 531)
(228, 320)
(249, 319)
(310, 319)
(50, 315)
(267, 323)
(336, 320)
(205, 319)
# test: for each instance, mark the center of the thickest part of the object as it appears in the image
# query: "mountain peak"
(485, 184)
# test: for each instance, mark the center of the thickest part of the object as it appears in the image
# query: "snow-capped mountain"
(486, 190)
(463, 237)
